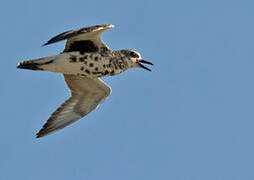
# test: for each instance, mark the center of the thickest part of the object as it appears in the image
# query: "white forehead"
(137, 53)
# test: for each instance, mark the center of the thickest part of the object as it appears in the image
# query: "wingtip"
(37, 136)
(107, 26)
(111, 25)
(45, 44)
(40, 134)
(45, 131)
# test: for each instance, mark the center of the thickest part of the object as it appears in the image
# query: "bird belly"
(88, 64)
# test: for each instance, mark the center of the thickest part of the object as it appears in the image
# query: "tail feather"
(29, 65)
(36, 64)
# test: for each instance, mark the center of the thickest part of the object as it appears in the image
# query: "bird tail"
(36, 64)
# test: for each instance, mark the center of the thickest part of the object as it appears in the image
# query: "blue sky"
(190, 118)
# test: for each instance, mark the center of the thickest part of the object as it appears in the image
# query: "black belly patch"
(73, 59)
(85, 46)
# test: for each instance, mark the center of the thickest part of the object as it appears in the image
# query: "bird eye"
(133, 54)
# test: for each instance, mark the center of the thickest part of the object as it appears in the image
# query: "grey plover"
(84, 60)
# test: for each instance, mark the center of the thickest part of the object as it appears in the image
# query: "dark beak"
(145, 62)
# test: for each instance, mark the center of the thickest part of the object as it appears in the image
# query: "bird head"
(135, 59)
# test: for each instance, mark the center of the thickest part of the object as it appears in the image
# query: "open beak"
(145, 62)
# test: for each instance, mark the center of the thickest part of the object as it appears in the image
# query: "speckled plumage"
(83, 61)
(98, 64)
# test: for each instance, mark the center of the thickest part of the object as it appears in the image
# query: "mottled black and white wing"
(86, 95)
(86, 39)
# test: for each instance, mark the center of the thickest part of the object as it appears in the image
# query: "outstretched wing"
(86, 95)
(86, 39)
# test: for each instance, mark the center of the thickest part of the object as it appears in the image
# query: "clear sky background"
(191, 118)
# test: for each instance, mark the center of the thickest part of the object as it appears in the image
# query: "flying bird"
(84, 60)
